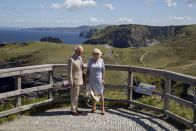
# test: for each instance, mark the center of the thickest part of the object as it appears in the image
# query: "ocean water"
(18, 35)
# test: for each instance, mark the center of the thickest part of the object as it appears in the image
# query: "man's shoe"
(79, 112)
(75, 113)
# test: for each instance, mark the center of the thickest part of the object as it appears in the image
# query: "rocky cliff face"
(133, 35)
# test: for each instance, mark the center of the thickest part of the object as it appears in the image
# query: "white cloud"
(109, 6)
(56, 6)
(190, 3)
(187, 18)
(41, 6)
(93, 20)
(77, 4)
(74, 4)
(177, 18)
(170, 3)
(125, 20)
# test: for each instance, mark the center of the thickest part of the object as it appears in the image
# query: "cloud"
(74, 4)
(170, 3)
(41, 6)
(125, 20)
(56, 6)
(93, 20)
(109, 6)
(187, 18)
(190, 3)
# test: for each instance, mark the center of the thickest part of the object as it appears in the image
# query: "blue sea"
(18, 35)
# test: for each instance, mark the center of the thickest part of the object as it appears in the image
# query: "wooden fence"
(166, 94)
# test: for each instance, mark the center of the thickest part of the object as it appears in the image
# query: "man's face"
(79, 52)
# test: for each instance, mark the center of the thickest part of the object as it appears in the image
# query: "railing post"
(18, 87)
(130, 91)
(51, 82)
(167, 89)
(194, 119)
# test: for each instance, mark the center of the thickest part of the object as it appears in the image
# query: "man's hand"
(71, 85)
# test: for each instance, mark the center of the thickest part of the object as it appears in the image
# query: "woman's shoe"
(93, 110)
(103, 113)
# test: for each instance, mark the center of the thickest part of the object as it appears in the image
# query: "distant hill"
(133, 35)
(51, 39)
(83, 28)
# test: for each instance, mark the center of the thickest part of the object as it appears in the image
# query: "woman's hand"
(103, 82)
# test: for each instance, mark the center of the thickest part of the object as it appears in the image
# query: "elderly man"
(75, 66)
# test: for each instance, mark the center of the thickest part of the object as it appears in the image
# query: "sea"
(19, 35)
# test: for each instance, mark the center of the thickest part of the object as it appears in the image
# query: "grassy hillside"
(133, 35)
(175, 54)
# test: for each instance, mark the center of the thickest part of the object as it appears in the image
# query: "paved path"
(59, 119)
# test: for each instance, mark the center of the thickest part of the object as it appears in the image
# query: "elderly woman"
(95, 78)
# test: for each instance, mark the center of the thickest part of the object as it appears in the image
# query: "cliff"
(123, 36)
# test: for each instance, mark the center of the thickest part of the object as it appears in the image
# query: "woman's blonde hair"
(96, 50)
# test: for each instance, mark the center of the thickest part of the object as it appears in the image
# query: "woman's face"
(95, 56)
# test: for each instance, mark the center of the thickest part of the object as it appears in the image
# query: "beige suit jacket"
(75, 70)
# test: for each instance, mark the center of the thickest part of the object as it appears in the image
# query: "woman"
(95, 78)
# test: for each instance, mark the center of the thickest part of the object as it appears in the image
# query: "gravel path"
(59, 119)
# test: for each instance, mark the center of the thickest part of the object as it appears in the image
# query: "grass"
(25, 101)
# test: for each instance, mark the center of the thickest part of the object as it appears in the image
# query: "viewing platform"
(117, 118)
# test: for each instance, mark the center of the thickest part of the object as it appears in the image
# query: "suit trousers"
(74, 92)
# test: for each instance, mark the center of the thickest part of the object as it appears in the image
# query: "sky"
(73, 13)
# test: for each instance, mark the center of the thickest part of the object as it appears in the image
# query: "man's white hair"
(96, 50)
(78, 47)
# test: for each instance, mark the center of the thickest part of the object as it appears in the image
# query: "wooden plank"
(115, 86)
(149, 71)
(180, 101)
(130, 90)
(27, 107)
(60, 66)
(18, 87)
(181, 77)
(147, 106)
(51, 81)
(10, 94)
(9, 112)
(35, 70)
(194, 119)
(24, 70)
(135, 103)
(24, 91)
(167, 89)
(23, 108)
(115, 100)
(37, 88)
(117, 67)
(178, 118)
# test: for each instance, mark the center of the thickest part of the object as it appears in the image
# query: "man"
(75, 65)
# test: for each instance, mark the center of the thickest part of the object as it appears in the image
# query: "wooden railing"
(166, 94)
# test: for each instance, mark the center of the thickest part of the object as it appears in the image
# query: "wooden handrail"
(168, 75)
